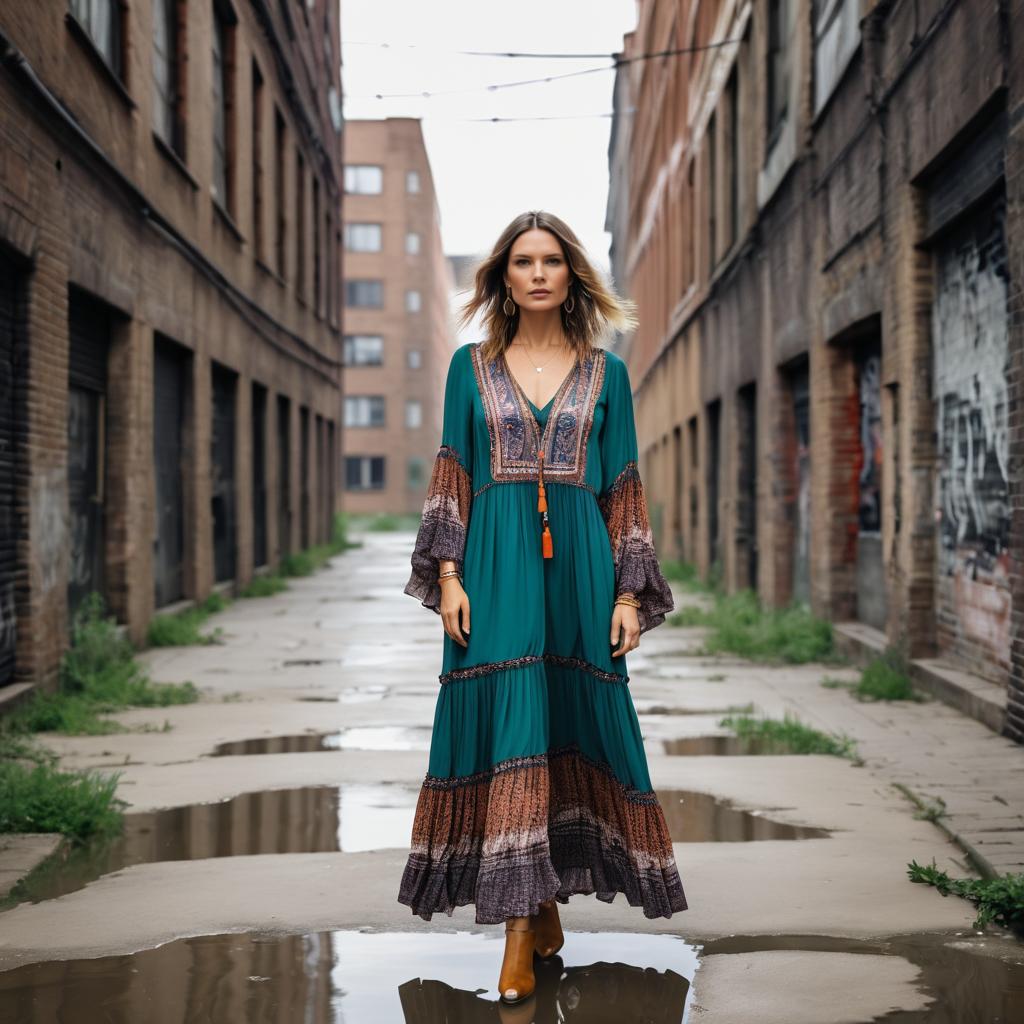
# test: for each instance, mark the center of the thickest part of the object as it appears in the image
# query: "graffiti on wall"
(970, 332)
(870, 477)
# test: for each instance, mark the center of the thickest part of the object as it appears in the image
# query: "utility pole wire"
(616, 56)
(617, 59)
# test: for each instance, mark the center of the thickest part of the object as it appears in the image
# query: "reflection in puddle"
(722, 745)
(701, 818)
(314, 819)
(385, 737)
(655, 707)
(436, 977)
(353, 976)
(367, 737)
(299, 744)
(974, 979)
(362, 694)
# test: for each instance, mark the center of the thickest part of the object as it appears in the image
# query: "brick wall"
(114, 217)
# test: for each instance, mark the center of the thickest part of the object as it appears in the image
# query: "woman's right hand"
(454, 604)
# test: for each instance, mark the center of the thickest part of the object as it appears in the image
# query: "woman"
(537, 785)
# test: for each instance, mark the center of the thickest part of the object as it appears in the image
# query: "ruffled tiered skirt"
(537, 783)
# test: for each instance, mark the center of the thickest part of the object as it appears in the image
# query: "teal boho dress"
(537, 783)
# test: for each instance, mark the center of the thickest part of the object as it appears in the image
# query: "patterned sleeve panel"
(445, 519)
(624, 508)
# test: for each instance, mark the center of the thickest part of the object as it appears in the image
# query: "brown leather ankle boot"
(516, 981)
(548, 928)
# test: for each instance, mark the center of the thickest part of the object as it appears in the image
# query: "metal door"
(800, 393)
(871, 588)
(170, 388)
(222, 471)
(259, 474)
(89, 333)
(304, 476)
(8, 455)
(284, 475)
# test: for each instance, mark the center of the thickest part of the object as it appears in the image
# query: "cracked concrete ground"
(346, 654)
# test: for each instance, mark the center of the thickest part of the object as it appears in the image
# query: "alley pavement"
(282, 802)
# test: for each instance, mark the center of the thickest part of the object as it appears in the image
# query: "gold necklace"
(528, 356)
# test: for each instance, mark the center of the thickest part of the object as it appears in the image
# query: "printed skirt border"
(534, 828)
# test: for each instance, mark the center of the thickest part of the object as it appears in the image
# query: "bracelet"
(631, 601)
(451, 573)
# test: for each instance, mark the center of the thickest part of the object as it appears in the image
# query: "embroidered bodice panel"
(515, 435)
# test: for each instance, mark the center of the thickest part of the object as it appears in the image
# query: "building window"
(364, 179)
(279, 183)
(364, 472)
(363, 350)
(364, 410)
(363, 237)
(413, 414)
(733, 114)
(168, 74)
(412, 243)
(414, 358)
(300, 226)
(257, 161)
(416, 472)
(778, 66)
(335, 276)
(412, 300)
(101, 20)
(364, 293)
(317, 262)
(712, 144)
(223, 105)
(412, 181)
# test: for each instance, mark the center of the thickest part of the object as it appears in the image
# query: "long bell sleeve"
(624, 505)
(445, 518)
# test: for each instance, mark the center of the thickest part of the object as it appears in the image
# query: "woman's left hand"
(626, 622)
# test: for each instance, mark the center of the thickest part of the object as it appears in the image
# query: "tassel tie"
(547, 549)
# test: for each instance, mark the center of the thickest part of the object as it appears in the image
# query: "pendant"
(539, 368)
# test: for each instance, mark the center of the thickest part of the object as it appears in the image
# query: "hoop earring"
(569, 308)
(508, 299)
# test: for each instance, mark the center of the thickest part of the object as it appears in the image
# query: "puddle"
(728, 746)
(359, 976)
(301, 743)
(364, 737)
(653, 707)
(973, 979)
(313, 819)
(362, 694)
(432, 977)
(701, 818)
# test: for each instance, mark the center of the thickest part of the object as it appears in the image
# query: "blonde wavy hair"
(596, 306)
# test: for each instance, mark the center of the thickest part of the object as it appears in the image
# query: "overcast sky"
(486, 173)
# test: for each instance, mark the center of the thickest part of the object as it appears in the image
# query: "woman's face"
(537, 271)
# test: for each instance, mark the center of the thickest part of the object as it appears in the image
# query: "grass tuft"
(39, 797)
(264, 586)
(98, 674)
(999, 901)
(690, 615)
(182, 629)
(789, 736)
(887, 677)
(739, 625)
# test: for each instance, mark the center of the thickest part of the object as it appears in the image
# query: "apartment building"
(170, 333)
(398, 333)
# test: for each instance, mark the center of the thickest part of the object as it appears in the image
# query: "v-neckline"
(525, 397)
